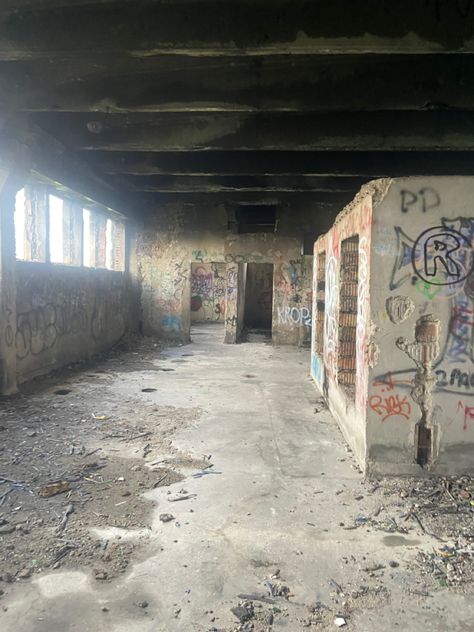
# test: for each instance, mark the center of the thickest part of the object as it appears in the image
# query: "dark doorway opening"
(258, 300)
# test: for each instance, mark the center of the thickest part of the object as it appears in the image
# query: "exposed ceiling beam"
(280, 82)
(323, 201)
(267, 163)
(276, 131)
(226, 184)
(212, 27)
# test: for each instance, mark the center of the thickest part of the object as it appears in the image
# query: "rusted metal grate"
(349, 277)
(320, 302)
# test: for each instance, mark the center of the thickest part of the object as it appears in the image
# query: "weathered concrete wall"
(413, 406)
(348, 406)
(65, 314)
(176, 237)
(208, 283)
(422, 270)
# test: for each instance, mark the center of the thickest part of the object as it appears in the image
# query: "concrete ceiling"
(215, 100)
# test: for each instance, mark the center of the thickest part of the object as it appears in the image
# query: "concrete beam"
(323, 201)
(237, 184)
(277, 131)
(284, 163)
(209, 27)
(174, 83)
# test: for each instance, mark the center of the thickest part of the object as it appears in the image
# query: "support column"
(36, 246)
(235, 301)
(72, 233)
(8, 382)
(98, 227)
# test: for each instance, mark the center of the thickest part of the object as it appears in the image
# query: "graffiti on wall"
(439, 263)
(53, 310)
(294, 316)
(387, 400)
(423, 200)
(467, 413)
(354, 224)
(442, 256)
(208, 292)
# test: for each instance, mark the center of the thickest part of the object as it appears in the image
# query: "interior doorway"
(258, 299)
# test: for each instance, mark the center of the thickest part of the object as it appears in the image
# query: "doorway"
(258, 299)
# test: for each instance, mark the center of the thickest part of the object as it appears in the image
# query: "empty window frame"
(256, 218)
(348, 291)
(320, 301)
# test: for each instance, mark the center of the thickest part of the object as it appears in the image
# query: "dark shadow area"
(258, 302)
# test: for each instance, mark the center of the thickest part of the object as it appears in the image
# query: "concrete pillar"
(98, 227)
(72, 233)
(36, 246)
(235, 302)
(8, 383)
(118, 246)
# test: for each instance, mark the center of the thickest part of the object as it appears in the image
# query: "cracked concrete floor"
(283, 492)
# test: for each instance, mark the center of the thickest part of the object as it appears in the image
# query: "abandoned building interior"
(236, 315)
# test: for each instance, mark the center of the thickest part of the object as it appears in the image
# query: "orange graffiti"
(390, 406)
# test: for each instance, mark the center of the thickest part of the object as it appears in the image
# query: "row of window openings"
(114, 244)
(347, 310)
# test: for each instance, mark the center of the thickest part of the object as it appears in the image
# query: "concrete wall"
(208, 284)
(65, 314)
(413, 408)
(177, 237)
(422, 263)
(348, 408)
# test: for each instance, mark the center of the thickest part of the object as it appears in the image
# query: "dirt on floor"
(409, 511)
(75, 460)
(74, 463)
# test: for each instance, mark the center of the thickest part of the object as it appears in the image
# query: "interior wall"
(347, 405)
(208, 286)
(65, 314)
(176, 237)
(413, 406)
(423, 305)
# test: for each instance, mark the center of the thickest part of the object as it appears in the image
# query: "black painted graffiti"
(401, 272)
(442, 256)
(38, 329)
(179, 280)
(457, 378)
(231, 321)
(460, 342)
(458, 346)
(424, 200)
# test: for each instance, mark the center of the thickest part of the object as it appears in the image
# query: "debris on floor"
(74, 464)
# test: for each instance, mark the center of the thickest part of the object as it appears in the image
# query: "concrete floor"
(272, 505)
